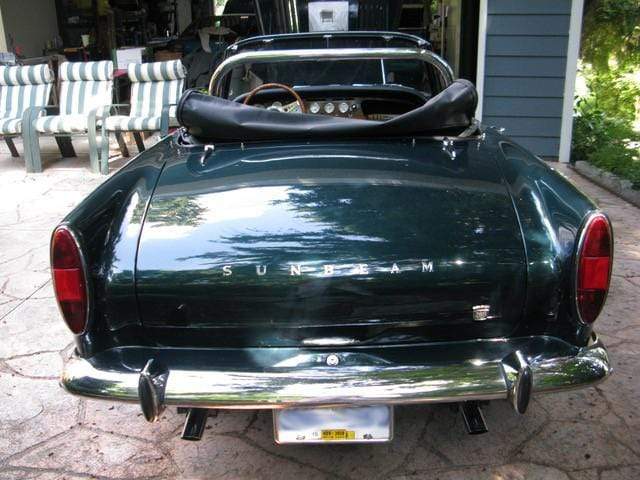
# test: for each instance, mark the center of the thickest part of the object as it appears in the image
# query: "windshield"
(409, 73)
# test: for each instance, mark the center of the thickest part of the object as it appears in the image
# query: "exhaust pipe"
(473, 418)
(519, 381)
(195, 424)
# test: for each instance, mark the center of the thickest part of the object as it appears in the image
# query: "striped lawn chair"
(85, 87)
(155, 91)
(20, 89)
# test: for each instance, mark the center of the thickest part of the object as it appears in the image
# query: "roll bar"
(279, 56)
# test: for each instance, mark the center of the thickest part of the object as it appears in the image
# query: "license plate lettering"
(337, 434)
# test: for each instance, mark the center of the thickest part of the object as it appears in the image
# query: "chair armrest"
(164, 119)
(31, 113)
(53, 109)
(102, 112)
(99, 149)
(118, 106)
(95, 114)
(106, 110)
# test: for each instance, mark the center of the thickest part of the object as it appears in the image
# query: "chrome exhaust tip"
(151, 387)
(195, 424)
(473, 418)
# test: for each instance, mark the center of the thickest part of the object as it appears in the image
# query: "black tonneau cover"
(215, 119)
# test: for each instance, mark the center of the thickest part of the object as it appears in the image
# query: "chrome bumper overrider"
(382, 383)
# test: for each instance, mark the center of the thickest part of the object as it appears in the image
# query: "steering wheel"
(285, 108)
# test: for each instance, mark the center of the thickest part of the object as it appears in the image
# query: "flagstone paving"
(48, 434)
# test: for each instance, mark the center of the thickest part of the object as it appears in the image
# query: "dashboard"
(347, 108)
(350, 107)
(361, 102)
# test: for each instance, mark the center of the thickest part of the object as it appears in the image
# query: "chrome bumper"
(348, 384)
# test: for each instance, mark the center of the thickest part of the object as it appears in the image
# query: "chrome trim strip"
(348, 385)
(277, 56)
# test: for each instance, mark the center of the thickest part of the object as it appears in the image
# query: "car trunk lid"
(350, 241)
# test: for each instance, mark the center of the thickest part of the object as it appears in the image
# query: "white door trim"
(3, 38)
(482, 48)
(573, 50)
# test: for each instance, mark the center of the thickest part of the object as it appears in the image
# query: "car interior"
(362, 89)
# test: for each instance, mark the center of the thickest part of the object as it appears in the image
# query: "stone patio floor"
(48, 434)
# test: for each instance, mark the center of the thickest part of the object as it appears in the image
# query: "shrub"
(609, 142)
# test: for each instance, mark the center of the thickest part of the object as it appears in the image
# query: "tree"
(610, 55)
(611, 34)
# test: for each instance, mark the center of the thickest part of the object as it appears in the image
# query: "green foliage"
(605, 141)
(604, 118)
(611, 31)
(613, 92)
(618, 159)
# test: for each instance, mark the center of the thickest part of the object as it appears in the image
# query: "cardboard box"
(125, 56)
(165, 55)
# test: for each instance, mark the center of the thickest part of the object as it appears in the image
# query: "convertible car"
(330, 234)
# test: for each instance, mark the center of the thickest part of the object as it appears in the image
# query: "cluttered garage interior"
(518, 54)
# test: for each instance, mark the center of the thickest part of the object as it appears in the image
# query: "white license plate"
(333, 425)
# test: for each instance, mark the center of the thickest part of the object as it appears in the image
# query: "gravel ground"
(48, 434)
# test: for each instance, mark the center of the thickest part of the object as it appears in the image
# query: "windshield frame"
(271, 42)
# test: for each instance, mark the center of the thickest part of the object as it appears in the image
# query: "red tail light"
(595, 248)
(69, 282)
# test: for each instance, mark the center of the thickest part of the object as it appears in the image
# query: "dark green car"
(329, 234)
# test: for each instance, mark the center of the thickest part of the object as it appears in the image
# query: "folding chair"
(85, 88)
(155, 91)
(20, 89)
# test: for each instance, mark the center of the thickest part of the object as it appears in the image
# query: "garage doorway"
(451, 26)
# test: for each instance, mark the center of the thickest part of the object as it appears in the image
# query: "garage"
(521, 55)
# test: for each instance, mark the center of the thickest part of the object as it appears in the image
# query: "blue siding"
(520, 66)
(519, 7)
(529, 24)
(525, 46)
(524, 107)
(522, 126)
(525, 66)
(524, 87)
(540, 145)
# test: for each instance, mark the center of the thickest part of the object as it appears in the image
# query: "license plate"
(333, 425)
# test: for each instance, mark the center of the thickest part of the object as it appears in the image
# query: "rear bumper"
(481, 370)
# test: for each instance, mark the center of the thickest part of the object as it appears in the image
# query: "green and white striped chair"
(155, 91)
(85, 88)
(20, 89)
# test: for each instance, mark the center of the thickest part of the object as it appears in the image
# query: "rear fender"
(108, 223)
(550, 211)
